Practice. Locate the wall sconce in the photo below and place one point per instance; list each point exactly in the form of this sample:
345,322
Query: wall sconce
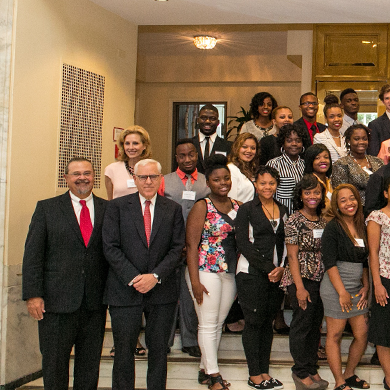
205,42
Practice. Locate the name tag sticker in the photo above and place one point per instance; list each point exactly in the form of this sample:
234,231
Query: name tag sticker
189,195
317,233
130,183
329,195
218,152
360,242
232,214
365,169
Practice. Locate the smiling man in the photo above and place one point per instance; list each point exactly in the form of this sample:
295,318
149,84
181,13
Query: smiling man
207,142
64,274
143,236
308,104
380,127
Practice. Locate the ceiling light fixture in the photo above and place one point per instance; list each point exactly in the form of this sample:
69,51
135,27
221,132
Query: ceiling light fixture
205,42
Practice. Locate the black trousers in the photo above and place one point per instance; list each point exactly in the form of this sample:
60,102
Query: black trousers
58,333
126,324
260,300
305,331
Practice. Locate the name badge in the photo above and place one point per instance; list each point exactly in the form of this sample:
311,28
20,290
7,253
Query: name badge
130,183
365,169
217,152
232,214
329,195
317,233
189,195
360,242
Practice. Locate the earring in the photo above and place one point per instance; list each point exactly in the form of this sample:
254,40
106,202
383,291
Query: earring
303,149
282,149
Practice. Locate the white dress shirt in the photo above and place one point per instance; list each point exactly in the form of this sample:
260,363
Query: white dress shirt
348,122
202,141
77,206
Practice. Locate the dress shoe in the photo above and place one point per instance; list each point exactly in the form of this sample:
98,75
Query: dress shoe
192,351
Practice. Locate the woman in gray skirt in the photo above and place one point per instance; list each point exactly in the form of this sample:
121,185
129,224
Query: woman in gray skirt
344,288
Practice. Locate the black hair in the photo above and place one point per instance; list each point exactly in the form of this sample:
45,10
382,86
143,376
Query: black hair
306,94
308,182
258,100
346,92
310,155
386,184
77,159
183,141
216,161
270,170
330,102
210,107
286,130
348,134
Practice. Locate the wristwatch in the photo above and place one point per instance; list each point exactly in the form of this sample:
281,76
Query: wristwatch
158,279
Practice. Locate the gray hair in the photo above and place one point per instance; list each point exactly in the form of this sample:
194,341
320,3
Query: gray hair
145,162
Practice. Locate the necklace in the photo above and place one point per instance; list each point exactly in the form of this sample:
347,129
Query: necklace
129,168
311,218
272,217
354,159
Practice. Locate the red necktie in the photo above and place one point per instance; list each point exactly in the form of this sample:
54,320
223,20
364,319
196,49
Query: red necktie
147,220
85,222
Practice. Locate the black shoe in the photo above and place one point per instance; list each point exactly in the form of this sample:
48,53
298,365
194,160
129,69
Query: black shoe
284,330
264,385
374,359
385,385
192,351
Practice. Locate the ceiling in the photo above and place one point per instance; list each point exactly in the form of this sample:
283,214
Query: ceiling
214,12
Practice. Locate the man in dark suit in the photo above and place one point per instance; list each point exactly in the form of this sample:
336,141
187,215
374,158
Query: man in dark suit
308,104
143,236
207,142
380,127
64,275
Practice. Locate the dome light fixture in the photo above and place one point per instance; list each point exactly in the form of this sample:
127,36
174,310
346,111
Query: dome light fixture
205,42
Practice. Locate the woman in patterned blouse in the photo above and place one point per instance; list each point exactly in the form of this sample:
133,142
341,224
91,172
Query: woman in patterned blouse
212,260
302,277
289,165
357,166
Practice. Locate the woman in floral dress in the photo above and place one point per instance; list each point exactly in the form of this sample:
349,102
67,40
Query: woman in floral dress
212,260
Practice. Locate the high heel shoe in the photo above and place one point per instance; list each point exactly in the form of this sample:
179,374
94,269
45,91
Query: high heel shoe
322,382
299,385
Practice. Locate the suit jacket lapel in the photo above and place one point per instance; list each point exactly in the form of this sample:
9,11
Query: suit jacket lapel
158,217
98,219
198,149
135,210
67,208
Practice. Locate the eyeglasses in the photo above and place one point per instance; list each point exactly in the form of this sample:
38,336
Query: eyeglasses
143,178
78,174
307,104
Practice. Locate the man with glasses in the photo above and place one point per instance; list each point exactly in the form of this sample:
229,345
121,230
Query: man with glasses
207,142
143,238
308,104
185,186
64,275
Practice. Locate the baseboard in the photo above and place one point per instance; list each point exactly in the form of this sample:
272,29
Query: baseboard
21,381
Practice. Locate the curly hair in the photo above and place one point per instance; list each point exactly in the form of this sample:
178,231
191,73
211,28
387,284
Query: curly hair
258,100
308,182
247,168
216,161
358,218
286,130
263,169
348,133
145,139
311,153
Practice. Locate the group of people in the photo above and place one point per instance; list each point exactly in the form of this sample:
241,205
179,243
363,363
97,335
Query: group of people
279,210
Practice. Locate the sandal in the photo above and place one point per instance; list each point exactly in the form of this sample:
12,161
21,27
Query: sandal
355,381
203,378
341,387
140,351
112,352
218,379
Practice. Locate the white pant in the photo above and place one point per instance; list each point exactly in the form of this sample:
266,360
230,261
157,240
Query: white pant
212,314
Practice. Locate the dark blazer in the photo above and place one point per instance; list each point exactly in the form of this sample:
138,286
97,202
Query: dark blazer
260,253
375,199
269,149
128,254
56,265
220,145
307,140
380,131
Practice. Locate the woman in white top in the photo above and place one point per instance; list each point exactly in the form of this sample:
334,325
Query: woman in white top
134,145
261,125
243,164
331,137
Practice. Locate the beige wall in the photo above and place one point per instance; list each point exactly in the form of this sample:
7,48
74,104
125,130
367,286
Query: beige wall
47,34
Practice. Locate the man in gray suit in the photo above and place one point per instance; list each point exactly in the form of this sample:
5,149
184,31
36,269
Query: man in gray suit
185,186
64,275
